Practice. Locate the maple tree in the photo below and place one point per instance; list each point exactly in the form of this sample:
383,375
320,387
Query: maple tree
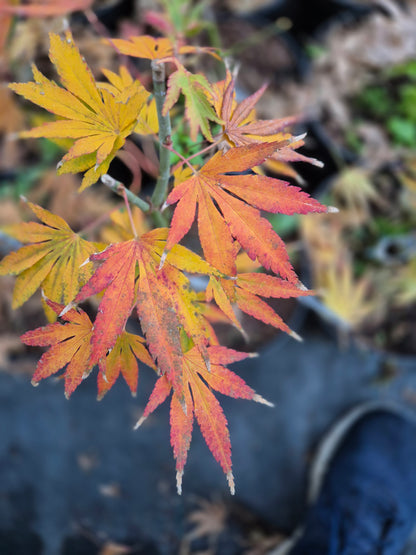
139,269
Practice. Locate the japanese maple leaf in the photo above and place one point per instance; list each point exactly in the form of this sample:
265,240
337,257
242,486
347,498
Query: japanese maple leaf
195,87
117,276
151,48
122,359
240,127
196,399
185,300
229,208
98,121
69,345
198,110
244,292
130,276
145,46
118,84
52,259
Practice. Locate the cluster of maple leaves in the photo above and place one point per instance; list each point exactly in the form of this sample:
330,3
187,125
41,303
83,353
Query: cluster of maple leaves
148,274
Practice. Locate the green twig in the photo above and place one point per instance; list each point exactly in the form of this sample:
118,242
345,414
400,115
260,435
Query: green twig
159,219
159,87
121,190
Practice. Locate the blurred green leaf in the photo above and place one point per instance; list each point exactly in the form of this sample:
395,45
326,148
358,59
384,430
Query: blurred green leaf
376,101
403,131
282,224
407,69
407,103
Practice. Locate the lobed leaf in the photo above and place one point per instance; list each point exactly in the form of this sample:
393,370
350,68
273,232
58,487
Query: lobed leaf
228,209
122,360
53,261
198,110
146,46
69,345
196,398
240,127
117,275
97,120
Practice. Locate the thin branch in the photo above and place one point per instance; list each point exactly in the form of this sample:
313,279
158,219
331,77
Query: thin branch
120,189
159,87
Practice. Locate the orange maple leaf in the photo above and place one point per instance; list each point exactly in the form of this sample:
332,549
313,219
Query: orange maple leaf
229,207
196,399
97,120
69,344
52,259
145,46
151,48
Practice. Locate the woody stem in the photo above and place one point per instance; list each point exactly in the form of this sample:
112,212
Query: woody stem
159,87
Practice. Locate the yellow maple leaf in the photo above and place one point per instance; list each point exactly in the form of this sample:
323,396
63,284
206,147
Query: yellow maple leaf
347,296
98,120
147,120
52,258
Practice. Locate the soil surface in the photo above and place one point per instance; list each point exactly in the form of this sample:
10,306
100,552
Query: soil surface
75,476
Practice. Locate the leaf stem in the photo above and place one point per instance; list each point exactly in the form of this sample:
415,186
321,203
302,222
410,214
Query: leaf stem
126,202
120,189
199,153
183,159
159,87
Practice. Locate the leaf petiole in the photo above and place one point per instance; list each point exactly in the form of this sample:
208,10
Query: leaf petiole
126,202
199,153
169,146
